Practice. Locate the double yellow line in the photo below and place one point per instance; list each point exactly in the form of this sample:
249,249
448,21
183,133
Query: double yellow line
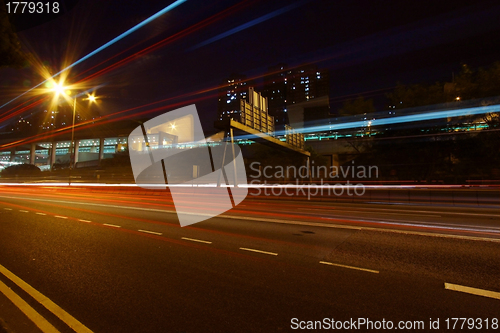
31,313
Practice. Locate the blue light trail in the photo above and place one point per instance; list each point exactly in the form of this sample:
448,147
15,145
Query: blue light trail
407,119
249,24
111,42
370,122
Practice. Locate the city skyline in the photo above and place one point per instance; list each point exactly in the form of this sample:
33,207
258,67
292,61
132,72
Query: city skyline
381,56
340,159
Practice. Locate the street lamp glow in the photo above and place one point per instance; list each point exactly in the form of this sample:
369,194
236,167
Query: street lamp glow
59,89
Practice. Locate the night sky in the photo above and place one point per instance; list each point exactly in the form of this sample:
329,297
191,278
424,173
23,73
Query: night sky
367,46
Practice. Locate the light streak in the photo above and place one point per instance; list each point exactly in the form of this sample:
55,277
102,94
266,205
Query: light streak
12,113
406,119
443,114
149,49
105,120
312,186
166,41
249,24
111,42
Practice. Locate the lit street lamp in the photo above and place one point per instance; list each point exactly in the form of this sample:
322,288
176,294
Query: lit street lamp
61,90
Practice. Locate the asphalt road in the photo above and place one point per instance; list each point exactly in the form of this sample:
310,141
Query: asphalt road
120,263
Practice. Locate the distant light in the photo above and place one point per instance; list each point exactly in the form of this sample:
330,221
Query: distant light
59,89
458,98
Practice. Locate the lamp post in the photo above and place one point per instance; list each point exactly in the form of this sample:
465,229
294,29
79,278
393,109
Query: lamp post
71,154
72,146
59,89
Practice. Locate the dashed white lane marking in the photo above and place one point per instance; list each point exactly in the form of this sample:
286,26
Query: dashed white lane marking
86,221
23,211
40,213
258,251
196,240
151,232
351,267
290,222
473,291
8,208
60,217
112,225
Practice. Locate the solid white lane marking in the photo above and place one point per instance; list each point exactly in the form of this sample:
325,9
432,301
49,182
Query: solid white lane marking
23,211
351,267
77,326
8,208
31,313
60,217
406,214
86,221
473,291
196,240
112,225
151,232
358,211
431,212
258,251
40,213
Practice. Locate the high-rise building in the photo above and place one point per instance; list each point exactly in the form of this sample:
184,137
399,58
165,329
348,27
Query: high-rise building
233,90
252,111
284,87
59,117
305,83
275,90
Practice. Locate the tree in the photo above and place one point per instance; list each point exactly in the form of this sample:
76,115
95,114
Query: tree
10,47
488,81
416,95
466,85
357,106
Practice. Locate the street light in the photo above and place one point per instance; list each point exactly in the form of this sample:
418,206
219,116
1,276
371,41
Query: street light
59,89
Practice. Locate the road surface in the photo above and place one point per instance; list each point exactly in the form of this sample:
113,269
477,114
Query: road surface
119,262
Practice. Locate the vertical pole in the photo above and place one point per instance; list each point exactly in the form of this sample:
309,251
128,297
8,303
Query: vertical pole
32,153
309,169
77,147
71,143
52,157
101,150
222,166
234,159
